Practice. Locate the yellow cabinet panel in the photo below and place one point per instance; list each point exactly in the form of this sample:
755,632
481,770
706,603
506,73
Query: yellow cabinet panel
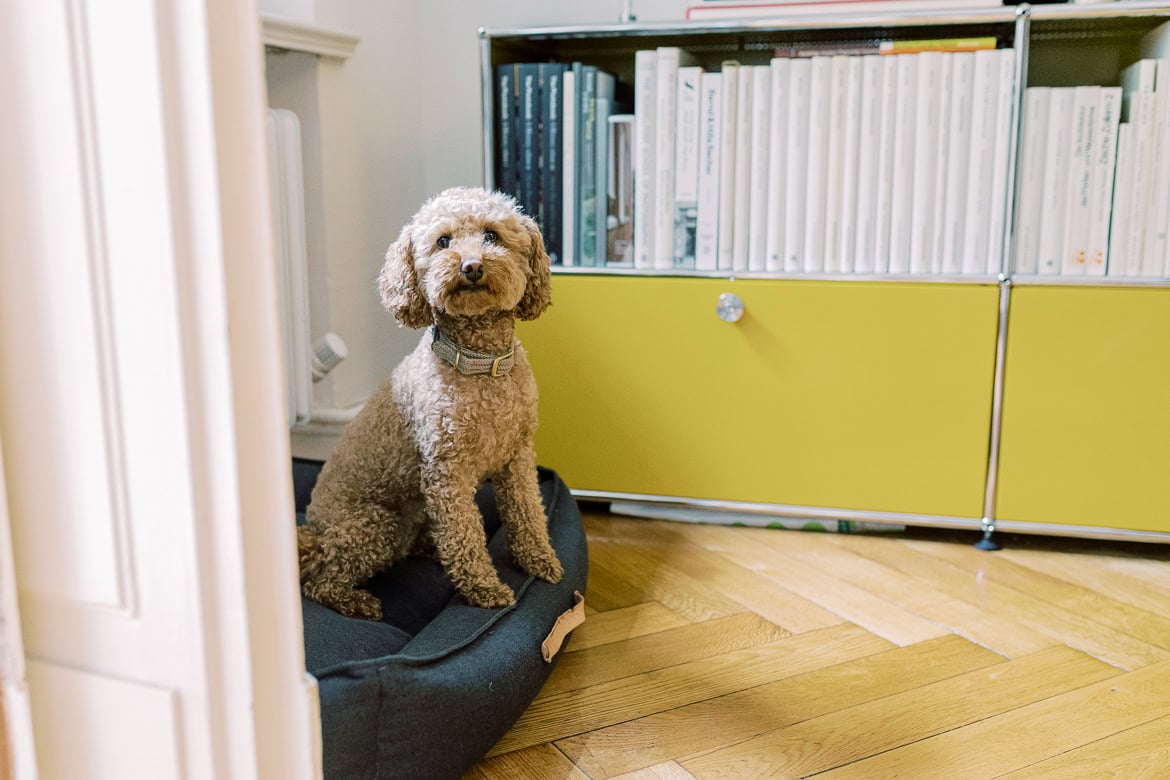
873,396
1086,426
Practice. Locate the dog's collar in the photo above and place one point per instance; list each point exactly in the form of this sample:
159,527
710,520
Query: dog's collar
467,362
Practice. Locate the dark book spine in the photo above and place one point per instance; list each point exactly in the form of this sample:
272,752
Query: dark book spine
529,138
587,178
552,158
506,170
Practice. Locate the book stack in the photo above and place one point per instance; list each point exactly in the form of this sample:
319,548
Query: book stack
826,160
1095,174
559,143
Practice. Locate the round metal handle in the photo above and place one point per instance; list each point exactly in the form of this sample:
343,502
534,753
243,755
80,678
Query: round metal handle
729,307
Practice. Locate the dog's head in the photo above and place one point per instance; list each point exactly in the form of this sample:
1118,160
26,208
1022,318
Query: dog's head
466,252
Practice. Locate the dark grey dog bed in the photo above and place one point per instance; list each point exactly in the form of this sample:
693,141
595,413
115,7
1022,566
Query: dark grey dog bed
426,692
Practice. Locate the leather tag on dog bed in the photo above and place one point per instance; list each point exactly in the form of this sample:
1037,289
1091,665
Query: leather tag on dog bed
565,623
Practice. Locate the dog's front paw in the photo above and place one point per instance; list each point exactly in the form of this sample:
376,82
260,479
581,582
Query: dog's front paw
490,596
545,567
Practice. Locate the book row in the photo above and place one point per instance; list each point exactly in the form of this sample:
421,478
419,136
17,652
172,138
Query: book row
1095,177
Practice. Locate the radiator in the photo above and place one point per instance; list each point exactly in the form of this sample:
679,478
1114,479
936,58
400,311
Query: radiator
288,221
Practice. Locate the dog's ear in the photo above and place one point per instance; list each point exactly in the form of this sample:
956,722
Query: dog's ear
398,285
537,295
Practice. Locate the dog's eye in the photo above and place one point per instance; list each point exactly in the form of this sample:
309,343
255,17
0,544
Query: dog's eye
444,242
490,236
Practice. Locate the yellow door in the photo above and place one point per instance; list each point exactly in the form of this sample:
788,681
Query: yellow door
837,394
1086,432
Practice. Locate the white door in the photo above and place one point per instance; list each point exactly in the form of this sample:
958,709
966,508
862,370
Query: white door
145,454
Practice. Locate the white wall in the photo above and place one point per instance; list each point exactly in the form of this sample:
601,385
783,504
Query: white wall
400,120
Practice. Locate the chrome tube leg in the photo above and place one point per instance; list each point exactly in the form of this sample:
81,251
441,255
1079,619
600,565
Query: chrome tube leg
987,543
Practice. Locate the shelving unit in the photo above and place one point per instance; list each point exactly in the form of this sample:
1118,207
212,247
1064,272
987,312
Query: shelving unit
1024,403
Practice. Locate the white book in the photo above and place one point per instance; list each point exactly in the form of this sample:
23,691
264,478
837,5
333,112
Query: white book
1104,161
569,168
601,173
727,115
942,160
1054,205
847,208
759,168
686,165
645,145
982,159
835,160
962,99
1158,210
1122,197
1138,108
872,67
1005,117
800,76
741,205
1033,147
1075,254
710,112
1156,45
926,139
670,58
819,96
901,197
777,163
887,127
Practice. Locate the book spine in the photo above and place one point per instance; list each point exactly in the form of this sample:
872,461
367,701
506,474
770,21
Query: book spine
962,98
645,135
847,203
1158,204
741,208
777,163
982,158
686,166
506,103
800,73
619,223
1104,163
835,161
551,159
707,235
570,252
901,198
669,58
728,112
820,99
998,196
1122,196
529,138
1054,205
872,67
587,172
887,122
1138,108
1074,254
942,160
758,184
1032,152
926,140
604,91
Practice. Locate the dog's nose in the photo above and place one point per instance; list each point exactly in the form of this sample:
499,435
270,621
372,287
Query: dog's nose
472,269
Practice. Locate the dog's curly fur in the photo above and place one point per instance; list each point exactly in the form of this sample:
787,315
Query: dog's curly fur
403,476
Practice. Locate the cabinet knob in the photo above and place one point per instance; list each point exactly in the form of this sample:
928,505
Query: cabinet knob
729,307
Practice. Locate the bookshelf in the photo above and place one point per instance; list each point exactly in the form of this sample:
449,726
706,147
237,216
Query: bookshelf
933,392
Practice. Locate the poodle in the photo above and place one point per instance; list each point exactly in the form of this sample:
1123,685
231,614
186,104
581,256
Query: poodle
457,410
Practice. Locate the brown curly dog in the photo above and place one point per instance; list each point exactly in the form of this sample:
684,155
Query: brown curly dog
459,409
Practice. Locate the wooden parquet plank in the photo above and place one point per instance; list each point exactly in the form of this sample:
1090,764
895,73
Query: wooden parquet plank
1075,630
1085,570
1150,627
739,716
534,763
586,709
602,628
669,648
658,581
1008,637
883,724
668,770
1027,735
1140,752
749,547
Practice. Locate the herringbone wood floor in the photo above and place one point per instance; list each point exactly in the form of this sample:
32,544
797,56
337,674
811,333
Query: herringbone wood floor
736,652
